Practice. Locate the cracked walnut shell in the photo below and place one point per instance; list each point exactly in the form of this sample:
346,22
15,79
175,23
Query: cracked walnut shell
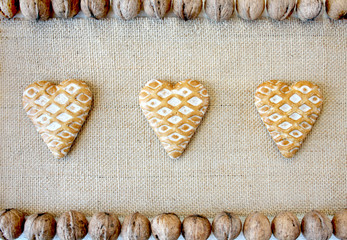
187,9
9,8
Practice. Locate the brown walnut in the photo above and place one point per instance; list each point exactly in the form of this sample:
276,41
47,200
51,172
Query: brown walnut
196,227
336,9
308,9
11,224
219,10
156,8
257,227
66,8
226,226
35,9
316,226
166,226
9,8
280,9
136,227
126,9
340,224
97,9
286,226
187,9
72,225
40,226
104,225
250,9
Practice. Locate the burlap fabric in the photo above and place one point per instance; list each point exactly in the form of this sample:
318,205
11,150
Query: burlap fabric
118,164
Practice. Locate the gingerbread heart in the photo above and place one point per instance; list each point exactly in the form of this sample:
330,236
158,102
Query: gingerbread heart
288,112
58,111
174,112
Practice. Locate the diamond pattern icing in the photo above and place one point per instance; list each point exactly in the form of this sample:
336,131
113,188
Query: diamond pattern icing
300,108
195,101
179,113
174,101
285,107
276,99
58,125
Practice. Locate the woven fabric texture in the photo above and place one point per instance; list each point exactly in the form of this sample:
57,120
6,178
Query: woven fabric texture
118,164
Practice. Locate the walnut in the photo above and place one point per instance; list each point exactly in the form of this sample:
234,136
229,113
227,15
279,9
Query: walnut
95,8
340,224
336,9
72,225
250,9
226,226
66,8
166,226
257,227
136,227
308,9
156,8
286,226
104,225
35,9
316,226
9,8
280,9
127,9
196,227
219,10
187,9
11,224
40,226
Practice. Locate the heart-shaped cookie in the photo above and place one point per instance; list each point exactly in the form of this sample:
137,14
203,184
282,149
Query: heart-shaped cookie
58,111
174,112
288,112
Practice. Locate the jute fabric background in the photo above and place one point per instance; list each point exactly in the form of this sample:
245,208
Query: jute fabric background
117,163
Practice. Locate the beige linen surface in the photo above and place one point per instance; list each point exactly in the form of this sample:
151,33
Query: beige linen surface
118,164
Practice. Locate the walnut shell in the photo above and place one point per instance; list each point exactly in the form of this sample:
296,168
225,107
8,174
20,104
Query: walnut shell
97,9
226,226
280,9
9,8
250,9
136,227
257,227
316,226
187,9
40,226
166,226
340,224
127,9
219,10
286,226
35,9
11,224
336,9
156,8
196,227
66,8
308,9
72,225
104,225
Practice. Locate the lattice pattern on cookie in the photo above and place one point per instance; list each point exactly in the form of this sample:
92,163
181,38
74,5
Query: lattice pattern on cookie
174,112
58,111
288,112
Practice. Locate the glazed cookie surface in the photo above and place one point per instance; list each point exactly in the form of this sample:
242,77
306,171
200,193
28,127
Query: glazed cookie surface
288,112
58,111
174,112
